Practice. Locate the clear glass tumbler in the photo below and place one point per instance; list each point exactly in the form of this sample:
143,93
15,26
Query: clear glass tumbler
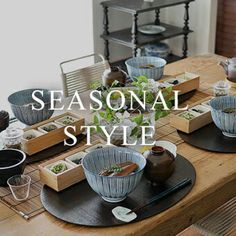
20,186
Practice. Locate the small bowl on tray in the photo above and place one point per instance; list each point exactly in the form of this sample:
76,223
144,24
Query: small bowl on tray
223,111
151,67
112,188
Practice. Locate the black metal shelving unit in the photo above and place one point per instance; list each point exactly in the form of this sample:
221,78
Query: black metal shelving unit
131,38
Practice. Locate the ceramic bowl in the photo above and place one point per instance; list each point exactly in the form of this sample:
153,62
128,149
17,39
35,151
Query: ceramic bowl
133,66
12,162
21,105
115,188
226,122
4,120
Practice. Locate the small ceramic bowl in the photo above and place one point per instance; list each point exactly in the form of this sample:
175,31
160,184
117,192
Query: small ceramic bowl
135,67
12,162
112,188
21,105
226,122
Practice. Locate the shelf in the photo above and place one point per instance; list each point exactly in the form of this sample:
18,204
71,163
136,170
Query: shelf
171,58
139,6
123,37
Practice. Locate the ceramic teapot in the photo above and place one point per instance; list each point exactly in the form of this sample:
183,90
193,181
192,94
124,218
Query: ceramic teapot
112,74
230,68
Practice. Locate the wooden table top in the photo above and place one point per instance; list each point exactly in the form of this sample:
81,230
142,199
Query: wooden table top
215,183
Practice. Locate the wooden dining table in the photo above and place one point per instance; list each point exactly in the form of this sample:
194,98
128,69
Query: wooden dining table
215,181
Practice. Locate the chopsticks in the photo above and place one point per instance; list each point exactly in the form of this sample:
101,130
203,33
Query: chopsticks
163,194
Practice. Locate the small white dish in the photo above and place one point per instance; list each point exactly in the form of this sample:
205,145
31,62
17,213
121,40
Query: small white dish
151,29
194,114
68,165
31,134
66,120
43,127
120,213
200,109
76,156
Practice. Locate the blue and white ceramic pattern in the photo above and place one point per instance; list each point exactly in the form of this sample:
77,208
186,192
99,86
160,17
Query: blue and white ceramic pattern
115,188
133,66
21,105
161,50
224,121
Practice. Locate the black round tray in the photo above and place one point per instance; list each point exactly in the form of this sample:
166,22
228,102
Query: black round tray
210,138
80,205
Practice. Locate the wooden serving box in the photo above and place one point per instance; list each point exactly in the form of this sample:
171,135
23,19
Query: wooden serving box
69,177
188,126
191,83
52,138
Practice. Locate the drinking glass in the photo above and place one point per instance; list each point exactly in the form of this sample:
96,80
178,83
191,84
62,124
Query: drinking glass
20,186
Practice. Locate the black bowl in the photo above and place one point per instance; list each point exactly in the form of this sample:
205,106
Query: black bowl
12,162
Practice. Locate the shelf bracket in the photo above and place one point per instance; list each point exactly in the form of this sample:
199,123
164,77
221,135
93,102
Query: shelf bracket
134,34
186,29
106,32
157,16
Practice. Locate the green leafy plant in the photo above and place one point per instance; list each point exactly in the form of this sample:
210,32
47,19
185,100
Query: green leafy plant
134,119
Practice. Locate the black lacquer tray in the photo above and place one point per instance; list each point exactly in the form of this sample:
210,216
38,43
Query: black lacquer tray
80,205
210,138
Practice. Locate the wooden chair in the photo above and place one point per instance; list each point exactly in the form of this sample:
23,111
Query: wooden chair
221,222
80,79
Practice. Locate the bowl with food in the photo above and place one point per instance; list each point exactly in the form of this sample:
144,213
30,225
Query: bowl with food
113,172
151,67
223,111
22,105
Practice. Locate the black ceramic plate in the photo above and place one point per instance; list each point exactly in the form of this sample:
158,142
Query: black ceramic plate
80,205
210,138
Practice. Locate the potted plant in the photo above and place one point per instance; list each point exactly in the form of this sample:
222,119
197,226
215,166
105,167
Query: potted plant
134,118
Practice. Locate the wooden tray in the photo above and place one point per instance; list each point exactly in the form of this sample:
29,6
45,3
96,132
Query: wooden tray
52,138
210,138
189,126
80,205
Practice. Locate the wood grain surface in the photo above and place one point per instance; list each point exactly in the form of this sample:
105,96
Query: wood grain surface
215,183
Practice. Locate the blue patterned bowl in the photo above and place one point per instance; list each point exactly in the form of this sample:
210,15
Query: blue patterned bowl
133,66
21,105
115,188
224,121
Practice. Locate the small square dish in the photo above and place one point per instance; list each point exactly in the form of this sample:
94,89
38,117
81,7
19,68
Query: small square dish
58,167
49,127
66,120
175,81
31,134
188,115
76,158
200,109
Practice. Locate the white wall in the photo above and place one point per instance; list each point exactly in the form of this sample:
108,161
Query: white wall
36,36
203,15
